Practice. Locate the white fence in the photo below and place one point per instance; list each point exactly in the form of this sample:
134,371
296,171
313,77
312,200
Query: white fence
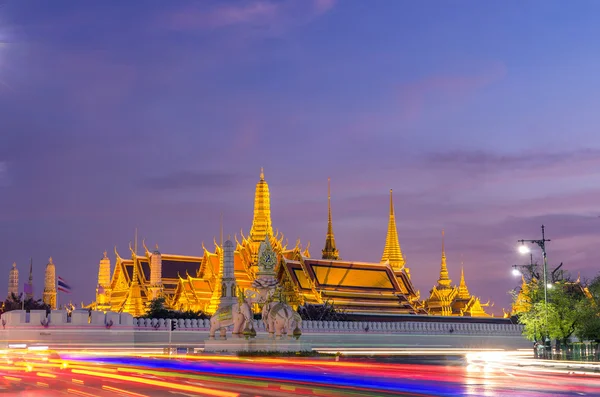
406,327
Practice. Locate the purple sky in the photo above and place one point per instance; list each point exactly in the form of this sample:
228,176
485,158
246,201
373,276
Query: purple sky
480,116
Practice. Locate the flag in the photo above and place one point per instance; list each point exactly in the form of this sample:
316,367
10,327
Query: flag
63,286
28,289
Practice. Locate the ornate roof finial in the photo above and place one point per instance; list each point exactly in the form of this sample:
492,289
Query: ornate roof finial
105,254
50,260
262,174
330,251
14,265
444,280
392,252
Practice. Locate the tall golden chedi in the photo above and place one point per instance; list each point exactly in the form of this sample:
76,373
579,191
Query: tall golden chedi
330,251
392,253
448,300
49,295
103,289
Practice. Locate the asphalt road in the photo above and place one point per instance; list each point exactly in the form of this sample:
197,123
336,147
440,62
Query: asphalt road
230,376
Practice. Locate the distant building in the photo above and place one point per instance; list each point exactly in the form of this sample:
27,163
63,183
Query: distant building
448,300
13,281
49,295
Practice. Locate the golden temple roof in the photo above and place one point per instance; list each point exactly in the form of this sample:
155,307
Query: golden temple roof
330,251
392,252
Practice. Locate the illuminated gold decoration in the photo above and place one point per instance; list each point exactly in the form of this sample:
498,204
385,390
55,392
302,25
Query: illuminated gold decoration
522,302
202,283
447,300
13,281
103,289
444,280
261,222
330,251
134,304
49,295
463,291
392,252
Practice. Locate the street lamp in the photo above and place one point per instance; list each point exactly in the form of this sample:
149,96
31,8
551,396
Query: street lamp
516,272
524,249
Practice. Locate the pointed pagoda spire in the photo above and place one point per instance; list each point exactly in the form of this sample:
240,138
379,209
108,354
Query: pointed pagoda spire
444,280
261,222
29,295
392,251
463,291
330,251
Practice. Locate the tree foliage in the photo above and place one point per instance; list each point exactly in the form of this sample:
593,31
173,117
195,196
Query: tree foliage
324,312
157,308
589,328
15,302
569,311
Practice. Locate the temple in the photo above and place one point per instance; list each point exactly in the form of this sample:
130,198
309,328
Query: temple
448,300
198,283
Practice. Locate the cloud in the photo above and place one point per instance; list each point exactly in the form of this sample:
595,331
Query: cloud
191,180
3,174
481,161
415,95
276,16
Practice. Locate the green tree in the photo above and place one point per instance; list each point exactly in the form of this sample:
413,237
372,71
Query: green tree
563,319
558,319
15,302
157,308
324,312
589,312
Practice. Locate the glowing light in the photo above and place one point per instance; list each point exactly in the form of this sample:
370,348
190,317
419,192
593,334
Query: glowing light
549,286
516,272
168,385
523,249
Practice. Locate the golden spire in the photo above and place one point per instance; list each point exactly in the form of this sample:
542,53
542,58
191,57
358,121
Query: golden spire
330,251
463,291
444,280
261,223
392,251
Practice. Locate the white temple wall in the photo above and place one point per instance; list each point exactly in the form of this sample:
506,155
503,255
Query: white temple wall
122,330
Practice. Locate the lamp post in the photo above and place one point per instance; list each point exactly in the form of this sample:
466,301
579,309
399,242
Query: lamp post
524,249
